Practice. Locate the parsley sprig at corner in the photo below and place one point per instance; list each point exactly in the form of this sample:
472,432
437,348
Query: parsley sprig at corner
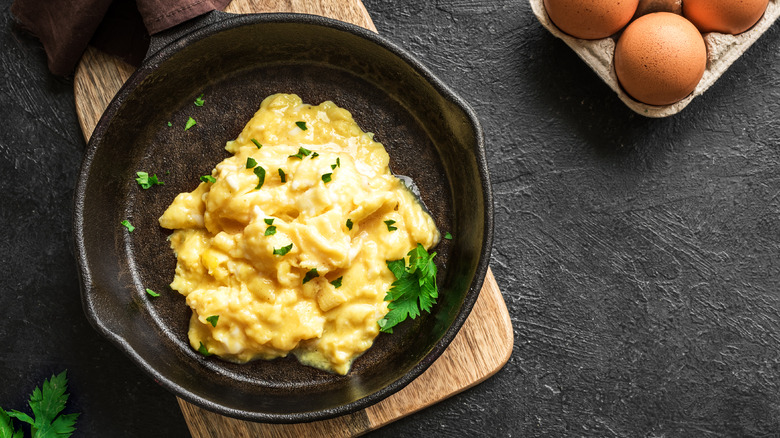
414,289
46,402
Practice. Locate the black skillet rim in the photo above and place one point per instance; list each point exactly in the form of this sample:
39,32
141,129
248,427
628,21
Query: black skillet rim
148,67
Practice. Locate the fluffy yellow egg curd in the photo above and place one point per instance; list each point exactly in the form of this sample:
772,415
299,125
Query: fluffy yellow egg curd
286,249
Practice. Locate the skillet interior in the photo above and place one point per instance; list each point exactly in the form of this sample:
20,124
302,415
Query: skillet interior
430,135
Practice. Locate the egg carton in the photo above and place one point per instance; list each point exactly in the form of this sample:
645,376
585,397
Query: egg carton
722,51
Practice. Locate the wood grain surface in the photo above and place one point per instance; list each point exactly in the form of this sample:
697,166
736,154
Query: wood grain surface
480,349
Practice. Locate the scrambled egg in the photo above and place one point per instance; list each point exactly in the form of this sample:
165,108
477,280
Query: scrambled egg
292,258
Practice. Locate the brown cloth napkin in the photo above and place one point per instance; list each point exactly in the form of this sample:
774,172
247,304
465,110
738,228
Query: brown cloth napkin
119,27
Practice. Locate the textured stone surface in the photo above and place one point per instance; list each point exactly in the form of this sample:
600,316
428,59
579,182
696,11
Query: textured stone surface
638,257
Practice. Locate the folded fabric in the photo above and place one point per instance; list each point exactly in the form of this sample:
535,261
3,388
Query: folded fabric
119,27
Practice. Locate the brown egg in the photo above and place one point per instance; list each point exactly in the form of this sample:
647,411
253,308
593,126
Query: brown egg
660,58
590,19
724,16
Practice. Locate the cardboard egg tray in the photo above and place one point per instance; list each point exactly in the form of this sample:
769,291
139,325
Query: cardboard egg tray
722,51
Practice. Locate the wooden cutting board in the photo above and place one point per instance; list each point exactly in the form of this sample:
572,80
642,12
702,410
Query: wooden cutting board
480,349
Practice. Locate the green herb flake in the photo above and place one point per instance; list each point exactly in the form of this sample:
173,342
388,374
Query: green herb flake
126,223
414,289
349,224
327,177
213,320
338,163
269,221
282,176
270,231
302,153
250,162
283,250
199,101
46,403
203,350
152,293
448,236
302,125
170,124
310,275
190,123
146,181
337,282
208,179
257,143
260,172
314,155
390,226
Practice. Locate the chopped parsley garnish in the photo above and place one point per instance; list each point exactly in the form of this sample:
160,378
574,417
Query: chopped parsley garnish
338,163
128,225
310,275
337,282
283,250
390,226
260,172
250,162
314,155
349,224
152,293
270,231
190,123
203,350
208,179
282,175
199,101
46,403
327,177
302,153
302,125
146,181
257,143
414,289
213,320
448,236
170,124
269,221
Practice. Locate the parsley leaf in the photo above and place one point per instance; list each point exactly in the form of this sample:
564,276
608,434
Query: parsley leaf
270,231
448,236
190,123
337,282
310,275
302,125
257,143
349,224
282,176
338,163
170,124
260,172
146,181
390,226
414,289
46,404
7,428
126,223
208,179
203,350
327,177
213,320
250,162
269,220
152,293
199,101
302,153
283,250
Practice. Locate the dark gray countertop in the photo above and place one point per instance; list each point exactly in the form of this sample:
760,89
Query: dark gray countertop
638,257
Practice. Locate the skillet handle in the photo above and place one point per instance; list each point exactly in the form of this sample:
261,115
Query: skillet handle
168,36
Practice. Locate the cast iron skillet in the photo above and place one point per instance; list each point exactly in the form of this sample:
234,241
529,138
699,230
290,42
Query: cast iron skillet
431,135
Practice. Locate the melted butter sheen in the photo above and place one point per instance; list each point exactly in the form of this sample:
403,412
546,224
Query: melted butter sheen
226,264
